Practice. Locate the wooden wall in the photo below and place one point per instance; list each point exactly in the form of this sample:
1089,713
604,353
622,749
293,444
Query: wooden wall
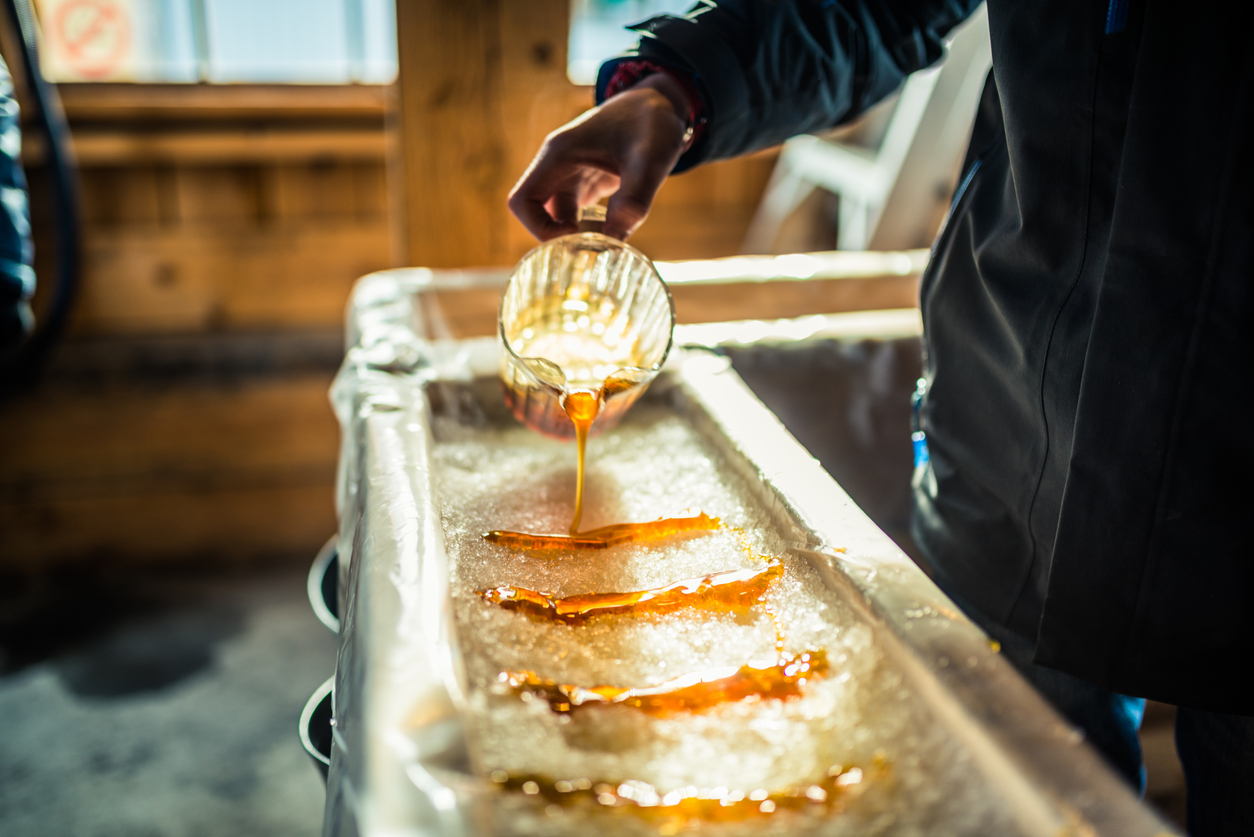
223,209
186,417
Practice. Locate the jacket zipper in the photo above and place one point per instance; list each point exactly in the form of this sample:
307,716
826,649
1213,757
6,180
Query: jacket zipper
918,437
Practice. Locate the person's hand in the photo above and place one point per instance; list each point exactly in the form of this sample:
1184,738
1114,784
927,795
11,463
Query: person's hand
624,148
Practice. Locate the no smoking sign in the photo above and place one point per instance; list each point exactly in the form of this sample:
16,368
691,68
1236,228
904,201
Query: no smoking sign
89,39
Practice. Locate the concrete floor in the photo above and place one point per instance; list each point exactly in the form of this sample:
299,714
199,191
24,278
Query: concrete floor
159,704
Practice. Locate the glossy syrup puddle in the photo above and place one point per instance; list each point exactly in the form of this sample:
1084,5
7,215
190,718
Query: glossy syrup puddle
733,591
606,536
672,809
782,680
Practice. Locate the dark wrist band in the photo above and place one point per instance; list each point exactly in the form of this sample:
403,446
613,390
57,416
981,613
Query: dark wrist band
631,72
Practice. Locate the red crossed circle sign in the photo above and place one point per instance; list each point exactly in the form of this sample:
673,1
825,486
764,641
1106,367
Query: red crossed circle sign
94,35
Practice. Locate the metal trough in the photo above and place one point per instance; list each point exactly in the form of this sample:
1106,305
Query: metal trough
968,749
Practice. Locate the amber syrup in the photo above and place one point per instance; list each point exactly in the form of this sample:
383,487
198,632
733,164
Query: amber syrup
783,679
733,591
672,810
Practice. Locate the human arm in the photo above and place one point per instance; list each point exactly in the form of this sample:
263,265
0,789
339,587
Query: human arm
764,71
624,148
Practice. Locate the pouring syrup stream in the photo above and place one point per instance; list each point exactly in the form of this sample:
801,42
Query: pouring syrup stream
583,406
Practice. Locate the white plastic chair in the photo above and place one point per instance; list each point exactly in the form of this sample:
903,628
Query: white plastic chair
889,194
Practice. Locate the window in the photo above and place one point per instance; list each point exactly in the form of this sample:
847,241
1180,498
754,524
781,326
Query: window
597,33
298,41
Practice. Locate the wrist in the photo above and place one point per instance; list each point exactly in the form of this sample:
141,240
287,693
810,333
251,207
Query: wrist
677,87
670,89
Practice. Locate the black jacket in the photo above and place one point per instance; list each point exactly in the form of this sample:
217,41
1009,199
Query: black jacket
1087,308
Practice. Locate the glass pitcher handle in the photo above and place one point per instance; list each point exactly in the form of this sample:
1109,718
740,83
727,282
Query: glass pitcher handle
592,218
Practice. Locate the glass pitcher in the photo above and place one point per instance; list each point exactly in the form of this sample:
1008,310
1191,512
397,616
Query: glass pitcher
583,313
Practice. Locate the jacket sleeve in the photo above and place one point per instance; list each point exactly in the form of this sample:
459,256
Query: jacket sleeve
17,278
771,69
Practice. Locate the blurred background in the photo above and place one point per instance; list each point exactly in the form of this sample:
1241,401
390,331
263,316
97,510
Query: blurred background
240,164
167,467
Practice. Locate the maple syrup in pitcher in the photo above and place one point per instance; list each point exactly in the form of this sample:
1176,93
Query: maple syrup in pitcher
586,324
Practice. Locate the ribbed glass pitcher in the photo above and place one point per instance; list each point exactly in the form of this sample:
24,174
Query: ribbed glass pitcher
583,313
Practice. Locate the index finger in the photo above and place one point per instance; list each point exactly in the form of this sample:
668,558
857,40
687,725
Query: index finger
547,182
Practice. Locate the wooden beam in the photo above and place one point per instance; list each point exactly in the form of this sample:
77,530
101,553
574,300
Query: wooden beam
170,524
230,471
96,102
153,280
783,298
740,288
95,147
480,84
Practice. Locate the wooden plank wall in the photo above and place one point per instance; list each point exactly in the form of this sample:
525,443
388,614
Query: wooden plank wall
224,211
186,415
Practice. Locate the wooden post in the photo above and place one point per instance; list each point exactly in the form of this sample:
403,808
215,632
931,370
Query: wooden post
480,84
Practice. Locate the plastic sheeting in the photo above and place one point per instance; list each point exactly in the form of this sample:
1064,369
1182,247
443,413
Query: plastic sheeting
395,656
